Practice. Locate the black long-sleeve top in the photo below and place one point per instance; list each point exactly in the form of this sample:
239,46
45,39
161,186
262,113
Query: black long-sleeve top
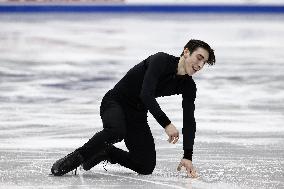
154,77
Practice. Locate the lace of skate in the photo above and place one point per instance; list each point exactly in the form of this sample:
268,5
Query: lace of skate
75,171
105,162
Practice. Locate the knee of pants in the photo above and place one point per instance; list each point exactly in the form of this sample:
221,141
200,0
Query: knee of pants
147,164
147,168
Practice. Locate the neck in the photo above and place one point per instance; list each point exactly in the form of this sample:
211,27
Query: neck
180,68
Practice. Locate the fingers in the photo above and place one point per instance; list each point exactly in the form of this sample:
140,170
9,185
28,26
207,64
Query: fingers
173,139
179,166
191,173
172,132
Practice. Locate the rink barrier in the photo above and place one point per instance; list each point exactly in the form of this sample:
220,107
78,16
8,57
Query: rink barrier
81,8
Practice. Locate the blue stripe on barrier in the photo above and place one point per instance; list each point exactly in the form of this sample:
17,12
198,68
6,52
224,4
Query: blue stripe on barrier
143,8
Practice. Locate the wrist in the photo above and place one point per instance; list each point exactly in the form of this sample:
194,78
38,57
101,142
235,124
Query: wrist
167,125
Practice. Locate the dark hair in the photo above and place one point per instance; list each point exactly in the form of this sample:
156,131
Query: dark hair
193,44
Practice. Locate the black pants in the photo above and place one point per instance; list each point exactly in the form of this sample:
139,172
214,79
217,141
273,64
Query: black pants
124,123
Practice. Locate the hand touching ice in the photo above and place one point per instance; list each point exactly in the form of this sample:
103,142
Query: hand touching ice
191,172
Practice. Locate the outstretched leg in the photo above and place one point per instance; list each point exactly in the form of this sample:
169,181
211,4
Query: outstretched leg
114,128
114,124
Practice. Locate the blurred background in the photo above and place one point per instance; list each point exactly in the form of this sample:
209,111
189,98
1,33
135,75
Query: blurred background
59,57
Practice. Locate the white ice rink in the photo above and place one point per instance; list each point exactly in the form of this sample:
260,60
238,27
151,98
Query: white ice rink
55,69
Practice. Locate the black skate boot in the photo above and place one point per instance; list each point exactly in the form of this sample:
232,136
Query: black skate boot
97,158
67,164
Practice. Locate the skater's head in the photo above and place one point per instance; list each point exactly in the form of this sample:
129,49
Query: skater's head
196,54
194,44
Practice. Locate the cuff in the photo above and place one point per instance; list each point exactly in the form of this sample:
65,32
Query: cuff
188,154
163,120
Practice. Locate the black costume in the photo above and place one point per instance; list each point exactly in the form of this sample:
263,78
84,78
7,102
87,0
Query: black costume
124,113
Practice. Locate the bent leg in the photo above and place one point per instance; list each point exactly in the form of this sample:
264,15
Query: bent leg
141,157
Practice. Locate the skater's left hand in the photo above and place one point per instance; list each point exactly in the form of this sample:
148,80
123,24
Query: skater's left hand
191,172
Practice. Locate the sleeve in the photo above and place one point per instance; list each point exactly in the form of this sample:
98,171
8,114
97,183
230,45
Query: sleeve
189,124
156,66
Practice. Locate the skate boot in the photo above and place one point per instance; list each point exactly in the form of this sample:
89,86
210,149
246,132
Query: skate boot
67,164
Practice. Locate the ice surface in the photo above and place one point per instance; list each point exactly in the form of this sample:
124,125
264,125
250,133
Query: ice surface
55,69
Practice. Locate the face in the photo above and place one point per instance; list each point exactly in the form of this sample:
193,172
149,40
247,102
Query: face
194,62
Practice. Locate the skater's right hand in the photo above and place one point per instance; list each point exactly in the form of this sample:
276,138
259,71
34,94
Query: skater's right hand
172,132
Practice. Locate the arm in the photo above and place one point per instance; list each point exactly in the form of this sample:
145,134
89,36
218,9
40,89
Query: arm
156,66
189,129
189,126
172,132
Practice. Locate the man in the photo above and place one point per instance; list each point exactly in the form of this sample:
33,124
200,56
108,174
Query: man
124,113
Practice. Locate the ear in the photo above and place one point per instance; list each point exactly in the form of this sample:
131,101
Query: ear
186,52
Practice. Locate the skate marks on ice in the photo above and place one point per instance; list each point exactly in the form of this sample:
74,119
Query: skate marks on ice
31,169
219,163
28,168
